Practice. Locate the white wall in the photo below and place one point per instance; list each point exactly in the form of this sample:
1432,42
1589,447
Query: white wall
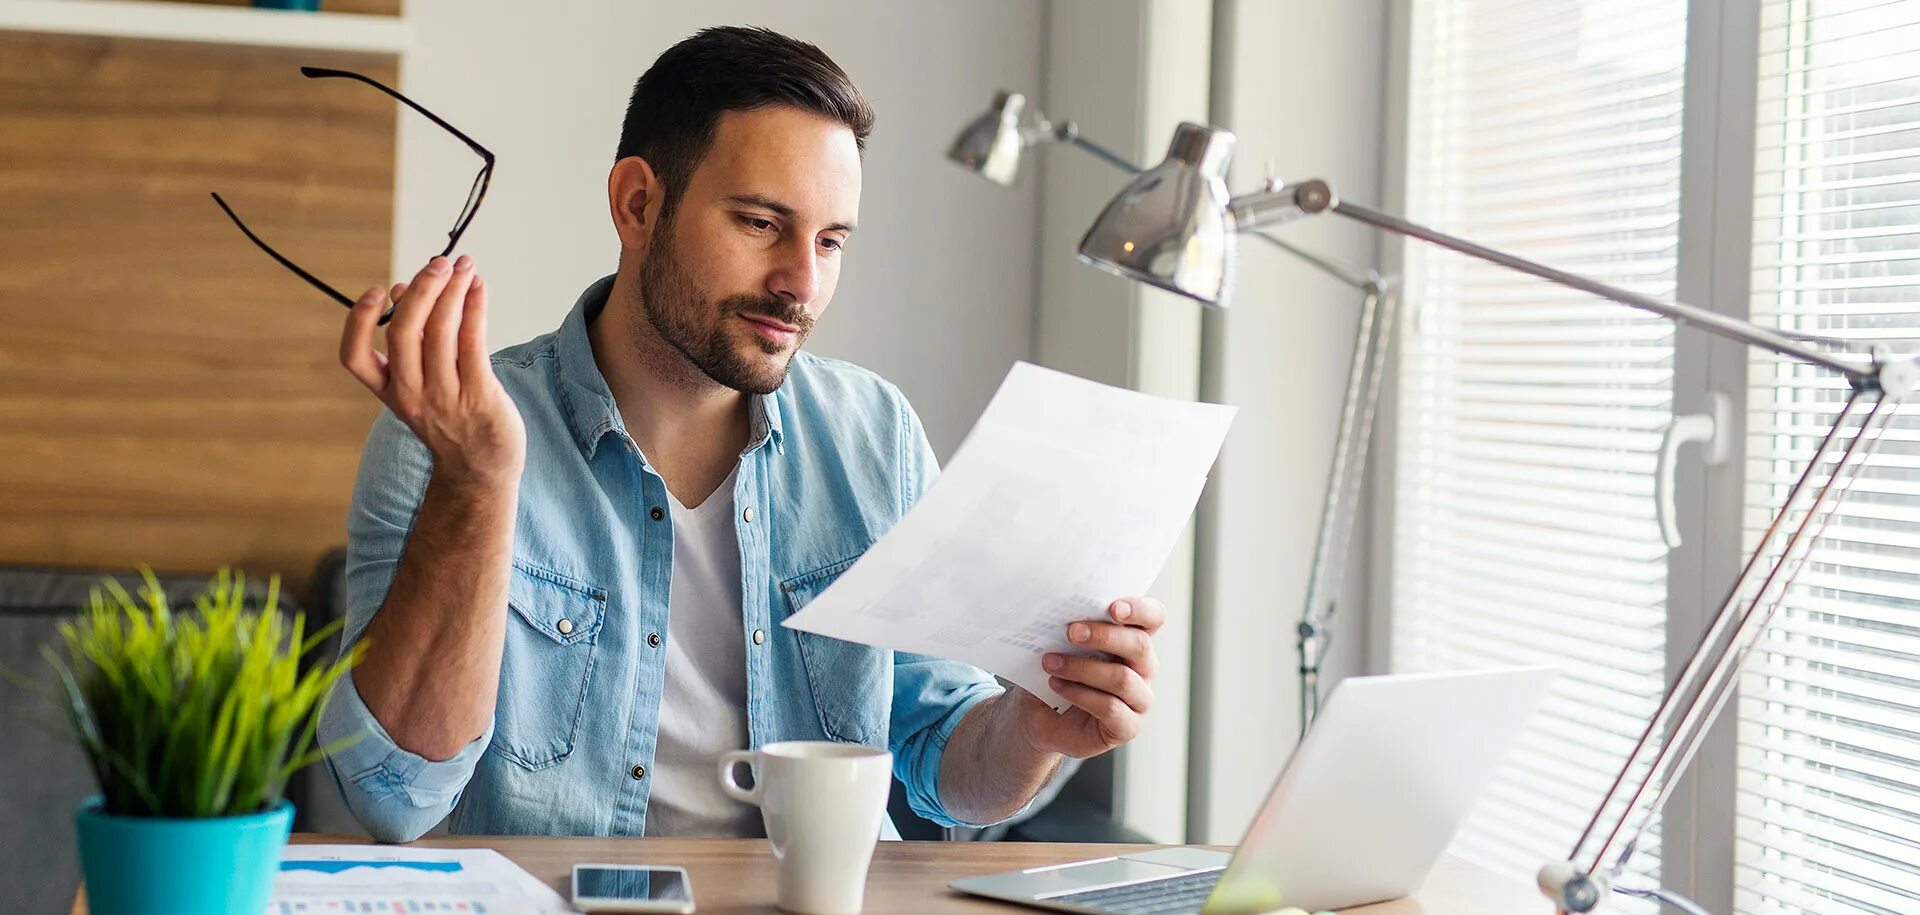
938,289
1302,85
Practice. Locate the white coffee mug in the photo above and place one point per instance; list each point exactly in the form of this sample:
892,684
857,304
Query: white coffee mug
823,804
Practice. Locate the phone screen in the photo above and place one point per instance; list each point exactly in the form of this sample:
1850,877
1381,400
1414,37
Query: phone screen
634,884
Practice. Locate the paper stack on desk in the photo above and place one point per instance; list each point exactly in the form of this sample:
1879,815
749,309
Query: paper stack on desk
328,879
1067,495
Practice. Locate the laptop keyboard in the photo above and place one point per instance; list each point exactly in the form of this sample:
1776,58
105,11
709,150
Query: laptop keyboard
1181,895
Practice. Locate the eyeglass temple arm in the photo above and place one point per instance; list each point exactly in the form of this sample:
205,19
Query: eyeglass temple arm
290,265
328,72
312,280
484,179
486,174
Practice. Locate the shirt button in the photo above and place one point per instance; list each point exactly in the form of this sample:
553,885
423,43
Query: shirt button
759,636
653,639
565,626
747,515
639,772
657,513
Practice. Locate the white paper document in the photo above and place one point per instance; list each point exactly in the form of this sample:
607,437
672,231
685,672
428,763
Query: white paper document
337,879
1066,496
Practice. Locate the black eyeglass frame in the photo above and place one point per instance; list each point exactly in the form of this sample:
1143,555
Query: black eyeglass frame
475,194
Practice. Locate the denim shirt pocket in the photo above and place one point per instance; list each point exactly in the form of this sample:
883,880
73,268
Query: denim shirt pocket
852,684
553,623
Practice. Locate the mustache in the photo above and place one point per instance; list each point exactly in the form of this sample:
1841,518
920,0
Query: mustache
771,309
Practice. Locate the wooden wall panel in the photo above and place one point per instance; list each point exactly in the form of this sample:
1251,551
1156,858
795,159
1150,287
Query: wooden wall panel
168,394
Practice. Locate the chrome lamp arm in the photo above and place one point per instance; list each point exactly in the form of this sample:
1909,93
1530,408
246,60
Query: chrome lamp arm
1706,682
1133,237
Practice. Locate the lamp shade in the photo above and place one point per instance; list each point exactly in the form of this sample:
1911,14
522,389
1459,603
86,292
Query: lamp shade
990,145
1171,226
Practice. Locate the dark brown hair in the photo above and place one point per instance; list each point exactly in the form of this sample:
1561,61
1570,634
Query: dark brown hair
677,103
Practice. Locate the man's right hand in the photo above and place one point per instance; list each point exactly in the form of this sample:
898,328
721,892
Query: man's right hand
436,375
432,666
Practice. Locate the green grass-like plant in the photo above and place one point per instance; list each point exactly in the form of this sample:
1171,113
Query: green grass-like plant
196,713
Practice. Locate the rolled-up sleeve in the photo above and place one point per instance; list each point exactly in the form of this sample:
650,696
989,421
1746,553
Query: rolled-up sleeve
930,699
930,696
395,794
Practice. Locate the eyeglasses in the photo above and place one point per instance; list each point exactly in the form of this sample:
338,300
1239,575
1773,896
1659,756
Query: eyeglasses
474,194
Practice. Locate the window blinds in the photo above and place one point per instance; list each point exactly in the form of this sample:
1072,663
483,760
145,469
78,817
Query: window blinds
1828,811
1528,415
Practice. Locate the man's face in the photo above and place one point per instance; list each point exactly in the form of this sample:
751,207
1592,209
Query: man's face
738,274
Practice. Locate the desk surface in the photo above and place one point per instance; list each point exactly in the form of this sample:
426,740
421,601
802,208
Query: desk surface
737,875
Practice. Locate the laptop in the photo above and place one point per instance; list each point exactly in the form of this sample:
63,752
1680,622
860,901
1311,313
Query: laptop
1360,813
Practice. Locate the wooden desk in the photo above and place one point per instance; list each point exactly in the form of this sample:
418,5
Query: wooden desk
738,875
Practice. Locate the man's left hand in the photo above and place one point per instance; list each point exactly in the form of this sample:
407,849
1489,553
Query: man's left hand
1110,695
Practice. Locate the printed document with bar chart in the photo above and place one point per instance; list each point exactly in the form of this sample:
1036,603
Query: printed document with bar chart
342,879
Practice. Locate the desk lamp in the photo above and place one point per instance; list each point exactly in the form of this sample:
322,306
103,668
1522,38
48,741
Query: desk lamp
1172,227
991,146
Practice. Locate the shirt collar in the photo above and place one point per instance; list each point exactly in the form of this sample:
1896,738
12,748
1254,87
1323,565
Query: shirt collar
591,412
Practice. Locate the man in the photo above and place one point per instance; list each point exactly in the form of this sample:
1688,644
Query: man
569,562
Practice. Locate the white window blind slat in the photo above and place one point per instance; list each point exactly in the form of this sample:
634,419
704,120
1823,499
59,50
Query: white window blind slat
1583,383
1637,123
1490,566
1815,259
1860,66
1529,415
1772,30
1857,237
1886,218
1604,633
1594,619
1878,126
1529,481
1828,770
1596,511
1802,816
1529,23
1615,36
1775,115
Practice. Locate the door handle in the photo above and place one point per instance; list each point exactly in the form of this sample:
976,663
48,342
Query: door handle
1710,429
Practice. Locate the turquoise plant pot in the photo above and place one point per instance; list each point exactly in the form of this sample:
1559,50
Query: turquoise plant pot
163,866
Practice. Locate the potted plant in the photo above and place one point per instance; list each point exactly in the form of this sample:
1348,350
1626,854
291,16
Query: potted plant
192,721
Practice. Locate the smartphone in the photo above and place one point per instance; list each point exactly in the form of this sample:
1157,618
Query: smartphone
631,888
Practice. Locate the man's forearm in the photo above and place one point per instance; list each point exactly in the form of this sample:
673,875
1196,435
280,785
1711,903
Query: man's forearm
990,770
432,667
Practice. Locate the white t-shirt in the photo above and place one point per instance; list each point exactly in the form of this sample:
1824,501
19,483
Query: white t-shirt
703,707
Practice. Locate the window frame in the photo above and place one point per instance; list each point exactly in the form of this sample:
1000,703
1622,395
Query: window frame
1715,232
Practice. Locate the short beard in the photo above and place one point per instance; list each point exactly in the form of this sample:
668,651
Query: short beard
699,328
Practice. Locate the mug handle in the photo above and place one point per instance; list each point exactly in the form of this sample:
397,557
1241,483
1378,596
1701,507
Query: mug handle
732,788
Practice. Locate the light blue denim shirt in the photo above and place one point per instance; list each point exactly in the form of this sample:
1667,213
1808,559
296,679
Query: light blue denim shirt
835,457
